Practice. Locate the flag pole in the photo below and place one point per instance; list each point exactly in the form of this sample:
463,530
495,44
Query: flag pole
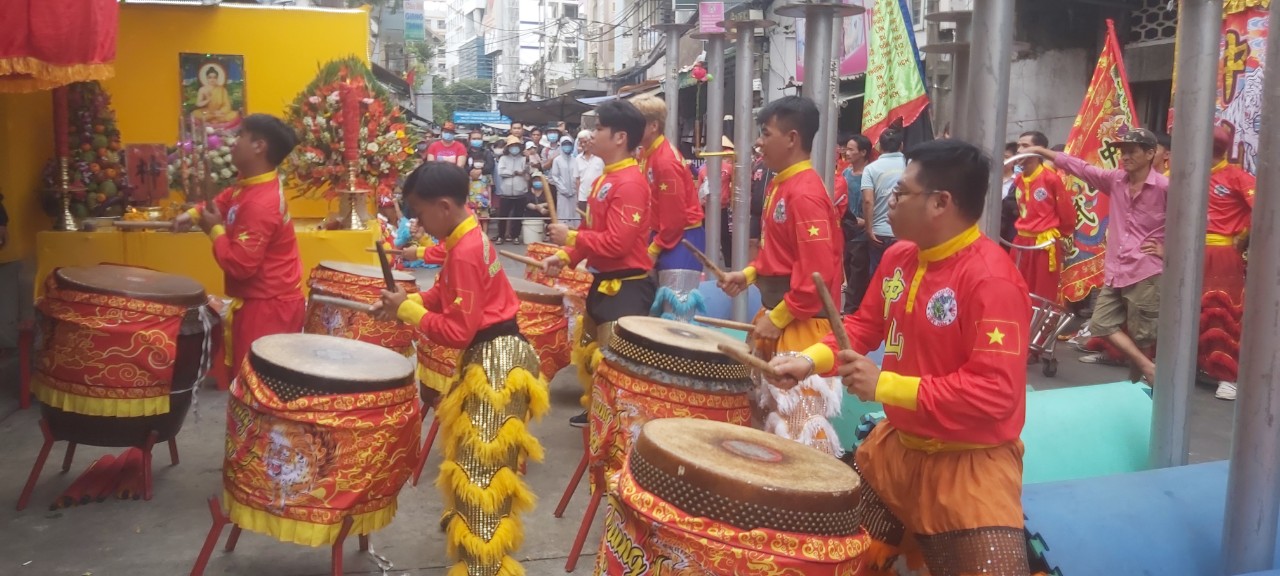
715,133
992,52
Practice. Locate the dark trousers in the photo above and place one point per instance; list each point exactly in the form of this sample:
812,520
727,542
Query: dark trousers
857,272
877,252
511,207
726,239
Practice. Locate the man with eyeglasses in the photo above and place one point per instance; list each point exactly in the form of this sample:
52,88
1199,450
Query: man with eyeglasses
944,469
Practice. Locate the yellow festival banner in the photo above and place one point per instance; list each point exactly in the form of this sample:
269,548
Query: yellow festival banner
1107,113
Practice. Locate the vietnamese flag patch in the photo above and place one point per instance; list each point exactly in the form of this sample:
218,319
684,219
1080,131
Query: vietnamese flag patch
1000,336
815,230
668,187
631,215
463,300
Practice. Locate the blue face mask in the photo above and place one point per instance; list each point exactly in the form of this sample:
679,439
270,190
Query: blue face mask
447,137
537,184
567,149
553,138
477,143
514,150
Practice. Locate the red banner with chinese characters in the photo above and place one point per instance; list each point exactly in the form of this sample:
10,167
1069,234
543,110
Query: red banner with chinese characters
52,43
294,470
1106,113
645,535
106,355
353,324
1241,67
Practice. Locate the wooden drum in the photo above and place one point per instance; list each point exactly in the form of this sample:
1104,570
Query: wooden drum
655,368
123,349
319,429
702,497
573,281
362,284
543,321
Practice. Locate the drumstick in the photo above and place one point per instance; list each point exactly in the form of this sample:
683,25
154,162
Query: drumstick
522,259
833,313
581,213
747,358
342,303
706,262
387,276
143,224
730,324
551,203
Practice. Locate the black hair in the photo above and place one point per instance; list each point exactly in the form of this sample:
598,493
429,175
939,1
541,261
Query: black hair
957,167
280,138
622,116
1037,138
793,113
1164,140
864,143
891,141
434,180
1059,148
1011,147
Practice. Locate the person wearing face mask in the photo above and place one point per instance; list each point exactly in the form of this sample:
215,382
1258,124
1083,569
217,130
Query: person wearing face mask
551,149
513,190
562,175
588,167
447,148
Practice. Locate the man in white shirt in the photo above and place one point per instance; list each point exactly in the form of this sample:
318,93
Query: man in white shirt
588,167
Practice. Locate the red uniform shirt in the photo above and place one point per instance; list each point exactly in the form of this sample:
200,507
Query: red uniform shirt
726,182
447,152
955,321
1231,190
800,235
1044,203
471,292
615,234
673,199
257,248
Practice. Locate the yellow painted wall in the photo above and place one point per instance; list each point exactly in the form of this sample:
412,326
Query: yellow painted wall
282,48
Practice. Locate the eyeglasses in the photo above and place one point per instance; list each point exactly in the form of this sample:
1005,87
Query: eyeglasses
896,194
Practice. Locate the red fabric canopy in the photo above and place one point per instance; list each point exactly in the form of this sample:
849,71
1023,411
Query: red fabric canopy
49,43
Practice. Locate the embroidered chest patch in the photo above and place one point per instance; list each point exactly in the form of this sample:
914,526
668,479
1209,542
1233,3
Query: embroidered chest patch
1220,190
231,214
1041,194
604,190
942,308
780,211
649,175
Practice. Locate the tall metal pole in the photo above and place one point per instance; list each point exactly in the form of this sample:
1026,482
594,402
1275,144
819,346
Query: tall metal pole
713,147
958,49
819,31
671,87
743,123
992,49
1253,480
1199,28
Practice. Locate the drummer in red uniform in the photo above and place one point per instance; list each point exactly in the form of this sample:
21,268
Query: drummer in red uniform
942,474
1046,217
255,246
472,307
613,240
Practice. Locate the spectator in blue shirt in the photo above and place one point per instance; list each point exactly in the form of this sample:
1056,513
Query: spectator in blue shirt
879,180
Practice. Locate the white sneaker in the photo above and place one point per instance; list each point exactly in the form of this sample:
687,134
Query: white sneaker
1226,391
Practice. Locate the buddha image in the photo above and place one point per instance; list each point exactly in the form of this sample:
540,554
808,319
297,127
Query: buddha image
213,101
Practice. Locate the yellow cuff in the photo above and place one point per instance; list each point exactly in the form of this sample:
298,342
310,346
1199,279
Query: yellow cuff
572,240
824,358
422,252
410,312
416,297
894,389
781,315
216,231
654,249
563,256
194,213
750,273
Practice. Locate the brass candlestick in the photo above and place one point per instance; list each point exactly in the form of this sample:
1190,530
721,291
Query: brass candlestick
67,222
354,195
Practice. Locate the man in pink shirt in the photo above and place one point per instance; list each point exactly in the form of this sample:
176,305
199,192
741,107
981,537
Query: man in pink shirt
1130,295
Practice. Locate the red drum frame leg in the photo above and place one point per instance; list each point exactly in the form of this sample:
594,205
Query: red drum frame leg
577,475
221,520
593,506
426,449
66,458
25,497
38,466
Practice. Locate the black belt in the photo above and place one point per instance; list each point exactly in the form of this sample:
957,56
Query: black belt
774,288
495,331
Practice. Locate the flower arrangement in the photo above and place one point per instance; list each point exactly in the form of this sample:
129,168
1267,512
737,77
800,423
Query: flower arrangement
383,150
97,160
188,159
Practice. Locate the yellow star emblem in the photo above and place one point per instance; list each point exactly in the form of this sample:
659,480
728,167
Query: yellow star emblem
813,230
996,337
457,301
242,237
635,217
663,187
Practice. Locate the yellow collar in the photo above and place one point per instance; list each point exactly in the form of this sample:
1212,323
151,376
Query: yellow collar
454,237
654,145
259,179
792,170
1219,166
950,247
1028,178
616,166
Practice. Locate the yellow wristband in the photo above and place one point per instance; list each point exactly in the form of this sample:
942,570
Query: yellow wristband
194,213
781,315
654,249
824,358
572,240
414,297
751,274
422,252
894,389
216,231
411,312
564,257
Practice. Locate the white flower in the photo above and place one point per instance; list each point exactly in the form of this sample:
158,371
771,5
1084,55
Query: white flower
225,150
217,160
314,99
226,173
209,130
367,101
307,122
372,147
321,122
333,97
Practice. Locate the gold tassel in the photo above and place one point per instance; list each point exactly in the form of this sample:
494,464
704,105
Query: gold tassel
506,484
460,540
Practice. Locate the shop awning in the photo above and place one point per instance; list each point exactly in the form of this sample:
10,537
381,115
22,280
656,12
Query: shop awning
544,112
52,43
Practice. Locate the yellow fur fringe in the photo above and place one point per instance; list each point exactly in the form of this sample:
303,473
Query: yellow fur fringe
586,359
506,484
507,538
509,568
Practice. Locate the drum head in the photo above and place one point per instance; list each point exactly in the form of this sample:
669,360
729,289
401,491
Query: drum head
534,292
743,470
329,364
676,338
364,270
133,282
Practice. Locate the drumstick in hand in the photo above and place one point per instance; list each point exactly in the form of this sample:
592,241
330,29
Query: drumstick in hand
581,213
522,259
730,324
706,262
833,313
551,203
341,303
747,358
